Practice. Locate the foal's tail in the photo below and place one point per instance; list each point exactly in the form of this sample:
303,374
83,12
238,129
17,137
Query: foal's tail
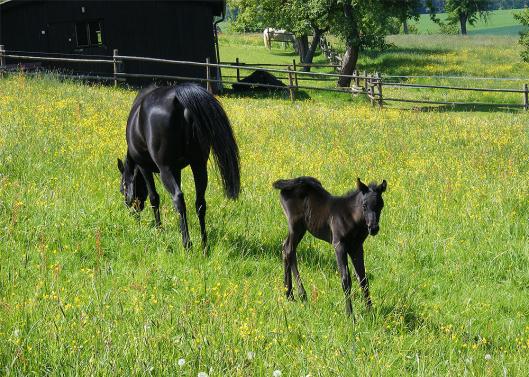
212,125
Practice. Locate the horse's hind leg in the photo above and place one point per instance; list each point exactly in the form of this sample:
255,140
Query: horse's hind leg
290,261
287,277
200,174
343,267
154,198
171,181
301,290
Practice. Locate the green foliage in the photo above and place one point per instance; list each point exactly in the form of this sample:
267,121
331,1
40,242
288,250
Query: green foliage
449,28
523,18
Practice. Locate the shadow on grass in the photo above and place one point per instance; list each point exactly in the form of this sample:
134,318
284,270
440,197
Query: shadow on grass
264,94
319,256
494,108
402,60
408,316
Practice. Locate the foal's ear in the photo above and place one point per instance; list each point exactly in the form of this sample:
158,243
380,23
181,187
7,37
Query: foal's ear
382,187
120,166
361,186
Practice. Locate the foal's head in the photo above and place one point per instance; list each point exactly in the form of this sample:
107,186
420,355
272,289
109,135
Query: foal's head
133,186
372,203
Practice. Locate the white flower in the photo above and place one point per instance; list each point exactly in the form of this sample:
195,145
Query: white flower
181,362
16,333
202,374
488,356
277,373
250,355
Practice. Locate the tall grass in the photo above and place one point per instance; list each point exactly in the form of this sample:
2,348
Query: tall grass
87,289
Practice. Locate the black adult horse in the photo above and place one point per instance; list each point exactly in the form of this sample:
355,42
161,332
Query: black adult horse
168,129
345,221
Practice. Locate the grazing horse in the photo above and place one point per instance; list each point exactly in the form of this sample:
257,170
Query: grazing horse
168,129
279,35
345,221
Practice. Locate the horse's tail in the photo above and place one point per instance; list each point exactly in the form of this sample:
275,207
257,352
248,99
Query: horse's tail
300,182
212,125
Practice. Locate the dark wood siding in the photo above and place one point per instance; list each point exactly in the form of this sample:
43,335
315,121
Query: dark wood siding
179,30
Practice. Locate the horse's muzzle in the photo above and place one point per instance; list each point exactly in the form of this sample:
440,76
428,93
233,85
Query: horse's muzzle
373,230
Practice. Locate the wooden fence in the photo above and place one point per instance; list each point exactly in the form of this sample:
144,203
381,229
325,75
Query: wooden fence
362,83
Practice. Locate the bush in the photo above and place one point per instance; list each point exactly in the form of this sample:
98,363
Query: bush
523,18
450,29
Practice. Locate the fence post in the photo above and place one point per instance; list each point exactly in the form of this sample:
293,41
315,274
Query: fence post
208,77
371,90
295,73
2,60
525,97
357,80
115,53
365,81
291,84
238,71
379,84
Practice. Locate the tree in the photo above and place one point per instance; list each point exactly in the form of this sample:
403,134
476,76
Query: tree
300,17
523,18
464,11
359,23
363,24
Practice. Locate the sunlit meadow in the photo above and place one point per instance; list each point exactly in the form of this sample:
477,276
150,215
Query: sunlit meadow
85,288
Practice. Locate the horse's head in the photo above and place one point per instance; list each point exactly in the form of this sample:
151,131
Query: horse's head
133,186
372,204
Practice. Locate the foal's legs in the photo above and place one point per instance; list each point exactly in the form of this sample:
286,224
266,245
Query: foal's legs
171,180
154,198
290,261
200,174
343,267
357,255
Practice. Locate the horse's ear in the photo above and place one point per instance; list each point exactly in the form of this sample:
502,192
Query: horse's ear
120,166
361,186
382,187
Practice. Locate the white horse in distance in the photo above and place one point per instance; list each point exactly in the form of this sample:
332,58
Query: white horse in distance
279,35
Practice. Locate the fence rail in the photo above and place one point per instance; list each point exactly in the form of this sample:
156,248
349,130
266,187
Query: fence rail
362,83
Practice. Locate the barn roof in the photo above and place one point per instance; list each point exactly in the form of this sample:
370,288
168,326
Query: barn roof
218,5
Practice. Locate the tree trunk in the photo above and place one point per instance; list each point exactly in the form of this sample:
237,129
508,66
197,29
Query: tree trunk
463,22
405,26
348,64
303,47
353,46
312,50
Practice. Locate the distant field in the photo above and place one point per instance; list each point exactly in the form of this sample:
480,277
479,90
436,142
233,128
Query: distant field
499,22
427,55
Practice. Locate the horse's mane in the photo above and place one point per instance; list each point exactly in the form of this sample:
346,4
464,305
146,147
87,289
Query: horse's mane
307,182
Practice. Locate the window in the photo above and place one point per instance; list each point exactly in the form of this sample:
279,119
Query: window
89,34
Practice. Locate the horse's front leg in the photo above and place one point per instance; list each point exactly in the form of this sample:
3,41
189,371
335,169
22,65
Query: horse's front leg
200,174
357,256
154,198
171,180
343,267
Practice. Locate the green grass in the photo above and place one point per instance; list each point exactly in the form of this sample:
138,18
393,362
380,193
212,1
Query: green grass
87,289
498,22
422,55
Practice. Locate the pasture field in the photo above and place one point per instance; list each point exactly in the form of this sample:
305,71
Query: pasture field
87,289
498,22
452,58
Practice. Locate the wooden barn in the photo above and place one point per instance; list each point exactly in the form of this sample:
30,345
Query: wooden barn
177,30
